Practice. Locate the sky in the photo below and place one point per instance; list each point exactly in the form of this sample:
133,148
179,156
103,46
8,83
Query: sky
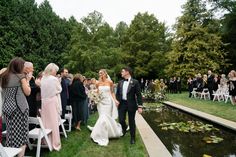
114,11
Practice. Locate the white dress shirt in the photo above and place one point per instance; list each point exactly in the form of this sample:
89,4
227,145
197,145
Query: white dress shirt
125,89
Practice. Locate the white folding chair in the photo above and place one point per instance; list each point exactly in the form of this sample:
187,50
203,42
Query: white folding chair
218,95
194,93
228,97
61,123
8,151
68,117
205,94
39,133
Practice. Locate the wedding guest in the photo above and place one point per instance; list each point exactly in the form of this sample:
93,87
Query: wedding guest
210,83
216,82
146,85
190,86
65,91
86,102
15,85
178,83
167,85
205,83
223,82
232,86
93,84
78,98
38,94
171,85
142,84
92,107
31,99
69,81
199,83
1,71
51,103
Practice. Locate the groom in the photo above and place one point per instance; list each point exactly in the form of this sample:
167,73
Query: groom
130,99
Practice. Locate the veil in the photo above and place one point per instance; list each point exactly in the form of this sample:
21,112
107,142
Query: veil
108,77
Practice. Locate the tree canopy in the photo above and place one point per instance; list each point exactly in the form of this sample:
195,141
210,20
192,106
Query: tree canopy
200,42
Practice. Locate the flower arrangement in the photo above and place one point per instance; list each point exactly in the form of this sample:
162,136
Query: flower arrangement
95,96
149,96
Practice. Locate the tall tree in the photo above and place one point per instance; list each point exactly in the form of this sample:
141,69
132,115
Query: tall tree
33,32
196,47
146,43
93,46
228,23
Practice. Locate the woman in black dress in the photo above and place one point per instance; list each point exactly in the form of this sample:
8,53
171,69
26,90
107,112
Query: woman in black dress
232,86
78,98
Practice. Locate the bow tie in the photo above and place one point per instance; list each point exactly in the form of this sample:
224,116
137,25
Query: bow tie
126,79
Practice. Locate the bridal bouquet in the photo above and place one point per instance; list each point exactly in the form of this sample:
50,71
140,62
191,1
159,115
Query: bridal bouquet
94,96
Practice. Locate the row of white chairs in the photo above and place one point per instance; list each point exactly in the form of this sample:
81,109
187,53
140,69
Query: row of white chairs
222,94
39,134
204,94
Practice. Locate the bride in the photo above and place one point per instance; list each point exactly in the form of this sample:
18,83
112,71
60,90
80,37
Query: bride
106,126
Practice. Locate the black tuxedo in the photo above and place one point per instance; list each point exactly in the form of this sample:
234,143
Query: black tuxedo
134,100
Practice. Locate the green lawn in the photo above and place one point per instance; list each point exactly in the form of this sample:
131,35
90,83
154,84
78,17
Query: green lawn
220,109
79,144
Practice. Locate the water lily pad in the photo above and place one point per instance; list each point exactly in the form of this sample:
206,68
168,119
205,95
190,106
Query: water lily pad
189,126
212,139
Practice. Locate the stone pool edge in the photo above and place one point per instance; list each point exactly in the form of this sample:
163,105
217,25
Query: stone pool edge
153,144
221,121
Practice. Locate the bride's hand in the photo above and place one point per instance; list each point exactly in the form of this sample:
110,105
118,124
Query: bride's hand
117,103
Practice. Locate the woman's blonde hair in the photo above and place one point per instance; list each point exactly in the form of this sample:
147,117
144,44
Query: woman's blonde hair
78,77
105,72
49,69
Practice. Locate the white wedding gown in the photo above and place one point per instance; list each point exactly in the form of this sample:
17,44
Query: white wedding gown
106,126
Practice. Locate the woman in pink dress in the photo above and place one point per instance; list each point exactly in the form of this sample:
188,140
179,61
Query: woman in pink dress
51,103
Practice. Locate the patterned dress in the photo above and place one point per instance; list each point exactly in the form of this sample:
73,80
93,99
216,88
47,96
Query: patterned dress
16,112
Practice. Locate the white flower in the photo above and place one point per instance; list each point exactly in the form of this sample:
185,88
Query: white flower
95,96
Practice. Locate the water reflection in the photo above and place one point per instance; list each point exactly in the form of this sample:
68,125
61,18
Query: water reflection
182,144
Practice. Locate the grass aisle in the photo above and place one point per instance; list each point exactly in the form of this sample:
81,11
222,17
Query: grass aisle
79,144
220,109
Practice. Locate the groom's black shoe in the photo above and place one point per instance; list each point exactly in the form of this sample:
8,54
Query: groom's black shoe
124,132
132,140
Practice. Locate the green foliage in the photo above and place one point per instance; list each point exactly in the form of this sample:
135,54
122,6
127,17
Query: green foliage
37,34
212,139
33,32
93,46
146,43
228,23
196,47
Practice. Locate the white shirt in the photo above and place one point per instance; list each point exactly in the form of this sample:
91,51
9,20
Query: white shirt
125,89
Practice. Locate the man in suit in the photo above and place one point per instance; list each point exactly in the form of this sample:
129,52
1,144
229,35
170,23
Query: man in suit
130,98
64,92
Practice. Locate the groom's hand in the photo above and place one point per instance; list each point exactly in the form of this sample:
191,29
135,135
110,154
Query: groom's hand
140,110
